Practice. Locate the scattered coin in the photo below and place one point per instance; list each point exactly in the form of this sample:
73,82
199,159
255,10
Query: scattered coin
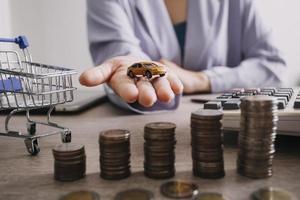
159,150
270,193
81,195
257,135
179,189
209,196
207,143
135,194
69,162
114,154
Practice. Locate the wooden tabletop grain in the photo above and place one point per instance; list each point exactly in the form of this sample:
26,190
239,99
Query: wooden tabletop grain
27,177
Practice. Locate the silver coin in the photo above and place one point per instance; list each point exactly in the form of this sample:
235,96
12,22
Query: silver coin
207,114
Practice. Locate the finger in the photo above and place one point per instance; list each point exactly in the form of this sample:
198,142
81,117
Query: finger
124,86
175,83
147,96
163,89
98,75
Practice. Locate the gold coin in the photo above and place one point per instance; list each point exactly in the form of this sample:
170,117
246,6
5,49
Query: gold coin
179,189
135,194
209,196
81,195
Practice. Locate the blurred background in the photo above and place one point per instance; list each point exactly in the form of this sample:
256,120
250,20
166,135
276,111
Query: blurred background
56,30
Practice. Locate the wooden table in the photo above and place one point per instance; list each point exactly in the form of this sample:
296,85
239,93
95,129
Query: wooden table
26,177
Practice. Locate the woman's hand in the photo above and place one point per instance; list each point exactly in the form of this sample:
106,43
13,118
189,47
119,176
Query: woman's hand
114,73
192,81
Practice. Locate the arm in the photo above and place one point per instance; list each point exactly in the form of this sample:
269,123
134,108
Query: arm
263,64
114,47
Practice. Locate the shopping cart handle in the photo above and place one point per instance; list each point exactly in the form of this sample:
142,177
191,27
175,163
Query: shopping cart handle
21,41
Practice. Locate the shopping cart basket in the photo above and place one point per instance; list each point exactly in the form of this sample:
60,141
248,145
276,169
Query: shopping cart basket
25,85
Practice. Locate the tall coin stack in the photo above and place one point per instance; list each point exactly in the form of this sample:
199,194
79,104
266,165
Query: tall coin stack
114,154
69,162
257,136
159,150
207,143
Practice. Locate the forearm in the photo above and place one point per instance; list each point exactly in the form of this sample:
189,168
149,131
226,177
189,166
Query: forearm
197,82
254,72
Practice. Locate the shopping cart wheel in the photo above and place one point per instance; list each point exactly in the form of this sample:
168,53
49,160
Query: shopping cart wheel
31,128
32,146
66,137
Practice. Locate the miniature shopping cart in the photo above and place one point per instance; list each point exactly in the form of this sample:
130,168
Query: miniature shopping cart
25,86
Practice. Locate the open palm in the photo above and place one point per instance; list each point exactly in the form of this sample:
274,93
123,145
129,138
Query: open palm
146,92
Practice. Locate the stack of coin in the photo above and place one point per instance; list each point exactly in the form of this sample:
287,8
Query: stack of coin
207,143
159,150
69,162
257,135
114,154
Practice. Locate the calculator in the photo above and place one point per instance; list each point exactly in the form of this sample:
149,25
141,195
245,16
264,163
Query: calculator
288,107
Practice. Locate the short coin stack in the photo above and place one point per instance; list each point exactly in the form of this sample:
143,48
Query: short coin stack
159,150
207,143
114,154
69,162
257,135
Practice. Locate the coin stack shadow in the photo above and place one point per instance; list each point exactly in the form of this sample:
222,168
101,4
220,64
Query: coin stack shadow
159,150
69,162
257,136
114,154
207,144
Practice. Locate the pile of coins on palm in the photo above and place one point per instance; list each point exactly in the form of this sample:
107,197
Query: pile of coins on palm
257,136
114,154
69,162
159,150
207,143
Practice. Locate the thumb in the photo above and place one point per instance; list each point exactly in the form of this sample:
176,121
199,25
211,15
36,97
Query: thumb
97,75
